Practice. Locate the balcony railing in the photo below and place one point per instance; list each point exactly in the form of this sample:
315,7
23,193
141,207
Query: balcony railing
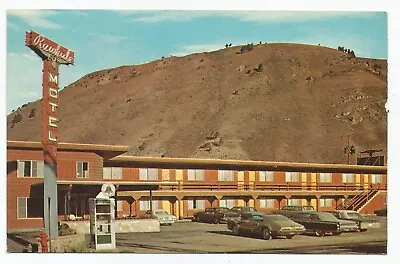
257,186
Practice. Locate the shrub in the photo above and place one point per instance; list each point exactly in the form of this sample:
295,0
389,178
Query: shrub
230,44
226,45
32,113
248,47
260,67
17,118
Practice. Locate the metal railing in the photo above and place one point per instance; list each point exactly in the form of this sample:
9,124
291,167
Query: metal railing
257,186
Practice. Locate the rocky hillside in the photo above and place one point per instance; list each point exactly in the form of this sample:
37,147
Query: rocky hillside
274,102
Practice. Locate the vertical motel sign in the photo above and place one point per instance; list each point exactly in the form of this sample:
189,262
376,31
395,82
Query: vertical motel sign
52,55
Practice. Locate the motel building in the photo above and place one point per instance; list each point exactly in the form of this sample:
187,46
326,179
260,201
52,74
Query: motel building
178,185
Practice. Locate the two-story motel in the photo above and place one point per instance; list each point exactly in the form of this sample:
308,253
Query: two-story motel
180,186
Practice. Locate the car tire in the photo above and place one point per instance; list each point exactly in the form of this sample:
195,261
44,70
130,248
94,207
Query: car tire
289,236
197,218
319,233
235,230
215,220
266,234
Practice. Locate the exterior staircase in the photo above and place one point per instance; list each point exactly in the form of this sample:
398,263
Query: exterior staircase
357,202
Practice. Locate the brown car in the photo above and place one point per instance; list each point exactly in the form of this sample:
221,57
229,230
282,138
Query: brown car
214,215
265,226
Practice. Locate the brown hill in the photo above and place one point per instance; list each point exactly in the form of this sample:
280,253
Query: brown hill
277,102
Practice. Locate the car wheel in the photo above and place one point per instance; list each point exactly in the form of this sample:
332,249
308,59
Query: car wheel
319,233
363,230
289,236
197,218
266,234
215,220
235,230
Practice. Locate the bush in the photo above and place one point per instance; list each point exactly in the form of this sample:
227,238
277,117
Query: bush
260,67
226,45
32,113
17,118
248,47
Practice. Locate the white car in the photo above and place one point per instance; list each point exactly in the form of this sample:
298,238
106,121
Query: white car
162,216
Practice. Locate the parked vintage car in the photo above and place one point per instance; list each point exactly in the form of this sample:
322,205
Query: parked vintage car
298,208
236,211
162,216
289,210
363,223
214,215
243,209
321,223
265,226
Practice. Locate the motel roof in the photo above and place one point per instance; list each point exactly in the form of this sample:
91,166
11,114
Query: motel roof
106,151
192,163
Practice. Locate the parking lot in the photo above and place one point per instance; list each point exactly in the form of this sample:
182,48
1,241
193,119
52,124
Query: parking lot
191,237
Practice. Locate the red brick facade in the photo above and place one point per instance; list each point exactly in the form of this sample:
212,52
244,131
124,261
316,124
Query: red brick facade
175,193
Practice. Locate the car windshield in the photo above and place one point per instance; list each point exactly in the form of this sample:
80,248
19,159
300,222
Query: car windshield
223,209
327,217
354,215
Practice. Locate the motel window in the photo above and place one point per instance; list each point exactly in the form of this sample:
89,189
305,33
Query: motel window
148,174
376,178
120,206
229,203
196,204
266,176
29,207
112,173
325,202
293,202
292,176
30,168
266,203
325,177
347,178
145,205
195,175
82,169
225,175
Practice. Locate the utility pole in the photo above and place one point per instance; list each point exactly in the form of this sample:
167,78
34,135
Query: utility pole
349,150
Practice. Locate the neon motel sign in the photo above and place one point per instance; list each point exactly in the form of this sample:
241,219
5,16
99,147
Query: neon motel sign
52,54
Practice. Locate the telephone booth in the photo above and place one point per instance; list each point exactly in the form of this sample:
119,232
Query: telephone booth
102,222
